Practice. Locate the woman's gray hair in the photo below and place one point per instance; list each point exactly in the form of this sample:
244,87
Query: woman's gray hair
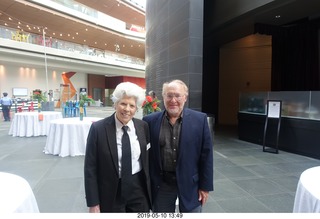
128,89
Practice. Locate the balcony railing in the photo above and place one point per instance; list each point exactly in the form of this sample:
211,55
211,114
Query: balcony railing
17,35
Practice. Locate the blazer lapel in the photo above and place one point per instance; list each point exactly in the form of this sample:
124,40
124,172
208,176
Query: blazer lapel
141,135
156,132
110,129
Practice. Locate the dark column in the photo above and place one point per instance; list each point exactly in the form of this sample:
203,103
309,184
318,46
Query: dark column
174,46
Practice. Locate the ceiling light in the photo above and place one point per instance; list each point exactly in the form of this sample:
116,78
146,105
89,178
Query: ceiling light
277,16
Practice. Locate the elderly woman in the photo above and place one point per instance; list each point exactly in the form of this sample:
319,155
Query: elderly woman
116,179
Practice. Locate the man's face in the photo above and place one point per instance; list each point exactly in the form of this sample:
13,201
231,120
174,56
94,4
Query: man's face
174,99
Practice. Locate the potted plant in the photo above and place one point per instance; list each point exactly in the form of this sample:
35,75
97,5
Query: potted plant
40,97
84,99
150,105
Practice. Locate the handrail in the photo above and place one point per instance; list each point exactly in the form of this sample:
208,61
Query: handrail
17,35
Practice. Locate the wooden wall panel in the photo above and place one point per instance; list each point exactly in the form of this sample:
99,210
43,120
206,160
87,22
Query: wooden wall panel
245,66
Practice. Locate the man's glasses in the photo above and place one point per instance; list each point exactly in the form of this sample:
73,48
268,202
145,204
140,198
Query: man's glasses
178,97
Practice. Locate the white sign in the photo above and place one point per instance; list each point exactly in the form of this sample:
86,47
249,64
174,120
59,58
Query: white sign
17,91
274,109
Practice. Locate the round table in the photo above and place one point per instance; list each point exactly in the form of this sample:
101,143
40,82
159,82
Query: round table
307,199
68,136
27,124
16,195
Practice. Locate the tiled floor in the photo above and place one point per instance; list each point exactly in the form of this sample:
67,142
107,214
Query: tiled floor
245,178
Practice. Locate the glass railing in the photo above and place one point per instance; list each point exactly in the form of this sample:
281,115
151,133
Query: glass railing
17,35
81,11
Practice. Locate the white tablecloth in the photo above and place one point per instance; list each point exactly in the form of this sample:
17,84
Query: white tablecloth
307,199
68,136
16,195
27,124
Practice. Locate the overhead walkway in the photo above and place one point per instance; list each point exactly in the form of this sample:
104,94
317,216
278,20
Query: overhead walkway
63,55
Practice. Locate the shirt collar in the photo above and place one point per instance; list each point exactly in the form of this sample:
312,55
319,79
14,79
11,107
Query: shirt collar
119,124
167,116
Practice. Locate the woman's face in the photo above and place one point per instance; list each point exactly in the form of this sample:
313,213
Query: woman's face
125,109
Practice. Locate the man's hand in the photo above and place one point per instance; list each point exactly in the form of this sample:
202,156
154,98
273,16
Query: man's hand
94,209
203,196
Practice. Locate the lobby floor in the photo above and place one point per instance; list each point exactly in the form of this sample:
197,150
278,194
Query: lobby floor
246,180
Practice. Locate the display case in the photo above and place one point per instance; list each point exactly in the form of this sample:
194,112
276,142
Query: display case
300,120
295,104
